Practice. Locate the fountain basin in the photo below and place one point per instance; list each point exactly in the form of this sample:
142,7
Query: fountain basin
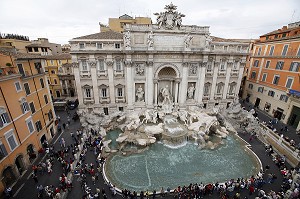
160,166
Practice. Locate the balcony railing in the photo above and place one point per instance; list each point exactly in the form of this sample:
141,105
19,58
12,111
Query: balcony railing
101,73
120,99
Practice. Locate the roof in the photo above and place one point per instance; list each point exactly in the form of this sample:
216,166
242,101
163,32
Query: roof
29,56
280,31
67,65
103,35
7,51
37,45
219,39
58,56
125,16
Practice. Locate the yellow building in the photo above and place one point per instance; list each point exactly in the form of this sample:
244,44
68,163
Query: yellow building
118,24
27,116
17,41
53,66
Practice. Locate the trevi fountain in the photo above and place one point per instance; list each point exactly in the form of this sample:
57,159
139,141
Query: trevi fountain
148,149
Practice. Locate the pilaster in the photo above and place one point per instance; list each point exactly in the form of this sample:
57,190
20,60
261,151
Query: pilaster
184,84
94,81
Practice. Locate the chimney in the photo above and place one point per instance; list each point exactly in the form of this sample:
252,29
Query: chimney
284,28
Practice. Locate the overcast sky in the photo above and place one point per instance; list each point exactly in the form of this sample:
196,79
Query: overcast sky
62,20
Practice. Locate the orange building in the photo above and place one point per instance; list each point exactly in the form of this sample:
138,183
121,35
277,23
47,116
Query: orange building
27,116
273,81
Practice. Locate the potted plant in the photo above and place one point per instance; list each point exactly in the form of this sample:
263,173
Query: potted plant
9,64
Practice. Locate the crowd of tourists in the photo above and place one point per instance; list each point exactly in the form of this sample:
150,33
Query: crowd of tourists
72,158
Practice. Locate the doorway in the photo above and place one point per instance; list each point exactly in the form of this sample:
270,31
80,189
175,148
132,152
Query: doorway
8,176
295,117
278,113
257,102
57,94
31,152
20,164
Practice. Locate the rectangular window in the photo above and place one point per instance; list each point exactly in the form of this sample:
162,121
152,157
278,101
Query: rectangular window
298,53
276,79
104,94
285,49
279,65
253,75
121,109
101,65
30,126
42,83
268,63
289,82
81,46
271,93
264,77
259,51
284,98
3,151
50,115
84,65
271,50
206,89
250,86
18,86
99,45
32,108
27,89
117,45
225,48
4,119
59,62
260,89
120,92
24,107
21,70
105,111
11,140
294,67
36,49
239,48
256,62
88,93
118,65
38,126
46,99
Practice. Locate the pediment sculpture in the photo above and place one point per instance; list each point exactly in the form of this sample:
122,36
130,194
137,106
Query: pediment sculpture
169,19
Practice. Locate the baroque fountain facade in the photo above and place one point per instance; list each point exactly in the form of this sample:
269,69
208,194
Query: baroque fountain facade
168,84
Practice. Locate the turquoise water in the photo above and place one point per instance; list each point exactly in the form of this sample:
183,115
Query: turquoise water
113,135
164,167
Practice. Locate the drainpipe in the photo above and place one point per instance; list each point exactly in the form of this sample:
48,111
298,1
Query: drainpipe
12,119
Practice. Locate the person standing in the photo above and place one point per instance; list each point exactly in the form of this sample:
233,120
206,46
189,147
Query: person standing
34,177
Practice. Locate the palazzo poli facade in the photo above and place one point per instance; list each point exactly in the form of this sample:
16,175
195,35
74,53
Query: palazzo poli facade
134,69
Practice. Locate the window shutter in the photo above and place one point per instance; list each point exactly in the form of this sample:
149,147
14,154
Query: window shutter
1,123
3,149
27,106
7,117
22,108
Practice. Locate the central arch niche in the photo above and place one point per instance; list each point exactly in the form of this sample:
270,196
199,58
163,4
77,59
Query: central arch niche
166,77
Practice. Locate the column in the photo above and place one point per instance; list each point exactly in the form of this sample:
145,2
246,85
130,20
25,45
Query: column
155,91
78,85
66,86
184,84
176,91
200,82
239,81
149,82
215,66
129,84
94,81
228,71
110,72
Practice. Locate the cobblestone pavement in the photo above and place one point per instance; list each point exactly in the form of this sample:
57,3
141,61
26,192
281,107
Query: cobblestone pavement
26,188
